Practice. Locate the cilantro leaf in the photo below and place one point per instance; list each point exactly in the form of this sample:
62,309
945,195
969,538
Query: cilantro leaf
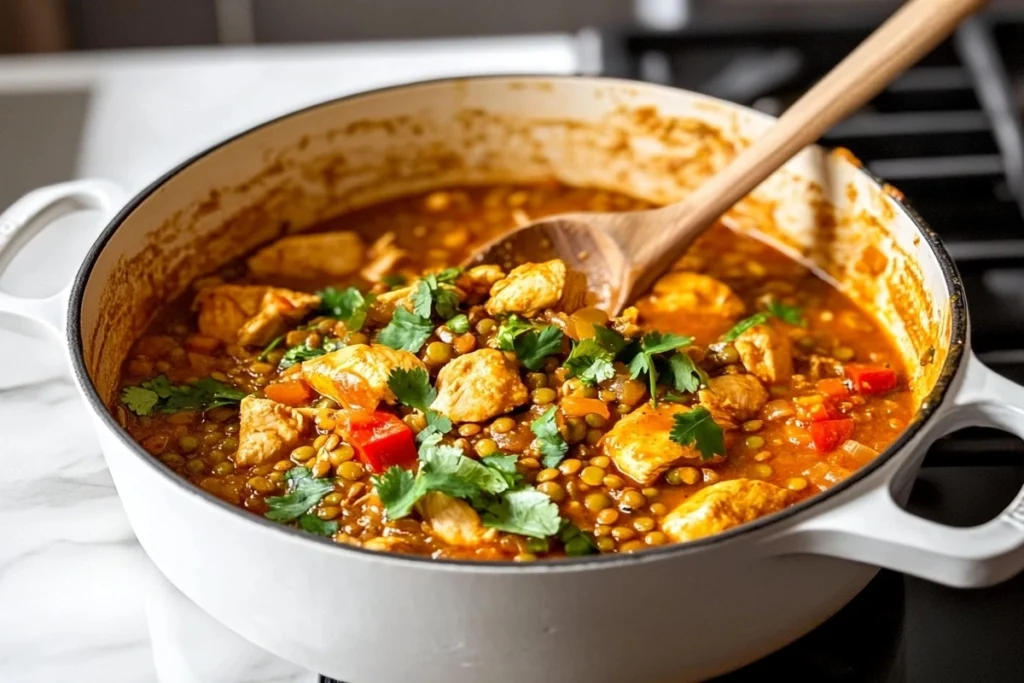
159,393
315,525
442,468
643,362
406,331
297,354
394,280
398,490
610,340
524,511
412,388
510,328
533,347
590,362
696,427
549,440
304,491
348,305
458,324
506,465
686,376
140,401
787,314
430,295
270,347
449,275
576,541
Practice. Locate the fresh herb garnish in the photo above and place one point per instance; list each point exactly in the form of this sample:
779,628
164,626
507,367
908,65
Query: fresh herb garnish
304,492
458,324
534,347
652,344
270,347
510,328
348,305
775,309
506,465
315,525
449,275
160,393
430,295
412,388
686,376
549,440
407,331
591,359
524,511
442,468
696,427
576,541
299,353
394,280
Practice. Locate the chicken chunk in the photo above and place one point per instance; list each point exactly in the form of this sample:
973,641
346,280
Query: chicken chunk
722,506
640,446
357,375
696,295
477,281
329,254
766,352
268,431
733,399
450,519
478,386
384,255
250,314
534,287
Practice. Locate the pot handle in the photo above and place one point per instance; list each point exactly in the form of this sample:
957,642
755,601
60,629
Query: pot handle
32,214
873,528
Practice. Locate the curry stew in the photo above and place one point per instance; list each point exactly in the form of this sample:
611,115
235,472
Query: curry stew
354,384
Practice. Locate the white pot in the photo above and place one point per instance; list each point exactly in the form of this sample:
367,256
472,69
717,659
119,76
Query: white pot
679,613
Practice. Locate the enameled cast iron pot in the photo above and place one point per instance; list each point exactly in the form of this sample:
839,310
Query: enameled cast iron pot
682,612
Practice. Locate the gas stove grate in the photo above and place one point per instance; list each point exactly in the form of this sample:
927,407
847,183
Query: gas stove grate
948,134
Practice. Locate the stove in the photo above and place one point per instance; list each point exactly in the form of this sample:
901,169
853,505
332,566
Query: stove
949,135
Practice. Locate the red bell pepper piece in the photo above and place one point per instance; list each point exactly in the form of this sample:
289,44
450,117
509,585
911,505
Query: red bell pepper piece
381,439
816,408
871,379
827,435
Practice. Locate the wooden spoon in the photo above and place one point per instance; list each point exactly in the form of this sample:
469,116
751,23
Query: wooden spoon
623,253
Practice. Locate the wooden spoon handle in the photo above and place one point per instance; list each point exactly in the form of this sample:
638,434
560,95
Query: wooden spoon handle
900,42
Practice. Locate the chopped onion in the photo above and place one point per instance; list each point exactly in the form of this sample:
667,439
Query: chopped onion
859,450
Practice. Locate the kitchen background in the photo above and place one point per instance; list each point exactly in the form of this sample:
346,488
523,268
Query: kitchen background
949,134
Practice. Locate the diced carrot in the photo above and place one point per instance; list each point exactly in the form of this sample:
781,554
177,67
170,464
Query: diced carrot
293,393
828,434
871,379
797,435
833,388
578,406
815,408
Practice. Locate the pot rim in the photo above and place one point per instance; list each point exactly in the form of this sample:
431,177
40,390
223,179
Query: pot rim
929,406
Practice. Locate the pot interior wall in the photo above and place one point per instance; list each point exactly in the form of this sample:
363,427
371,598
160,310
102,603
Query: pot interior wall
648,141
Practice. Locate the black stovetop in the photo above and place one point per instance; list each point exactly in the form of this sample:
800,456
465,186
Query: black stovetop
948,134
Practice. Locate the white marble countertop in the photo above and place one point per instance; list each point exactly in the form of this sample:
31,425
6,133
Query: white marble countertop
79,600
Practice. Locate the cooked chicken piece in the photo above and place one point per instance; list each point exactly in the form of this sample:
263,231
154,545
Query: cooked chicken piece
640,446
766,352
478,280
383,307
626,323
384,256
534,287
268,431
357,375
695,294
733,399
450,519
478,386
329,254
722,506
250,314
